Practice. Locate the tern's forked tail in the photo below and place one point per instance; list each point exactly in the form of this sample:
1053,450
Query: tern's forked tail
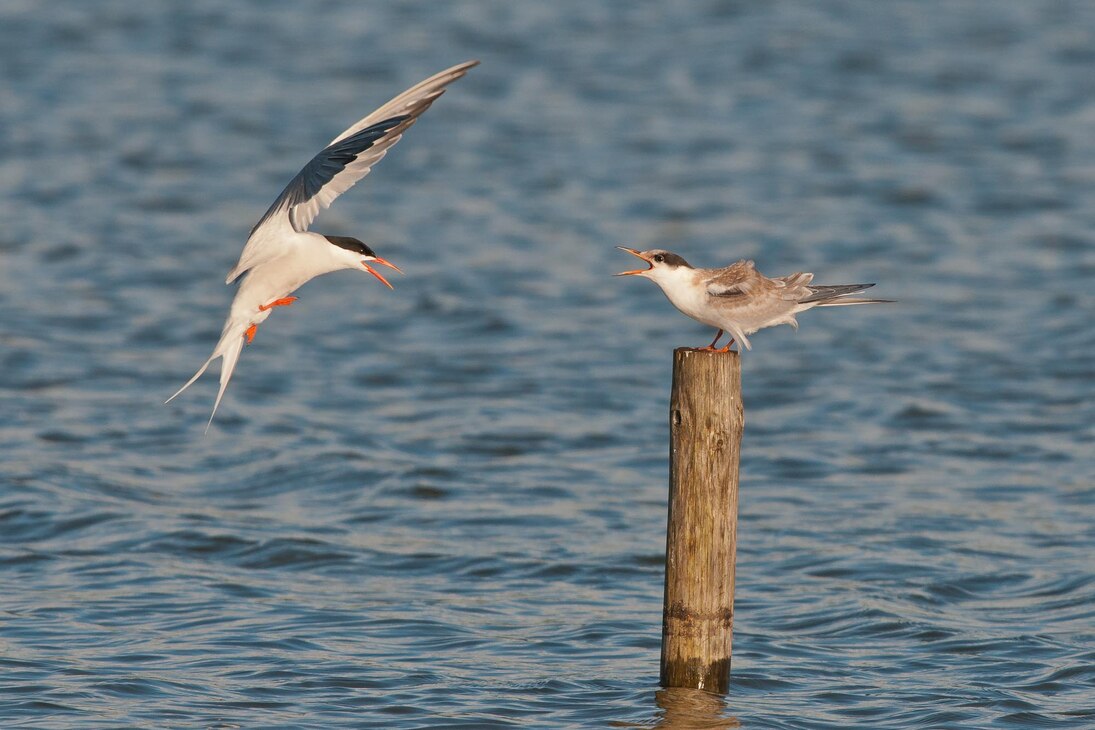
229,348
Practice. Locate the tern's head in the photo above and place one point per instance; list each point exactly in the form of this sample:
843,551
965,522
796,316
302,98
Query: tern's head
356,254
663,265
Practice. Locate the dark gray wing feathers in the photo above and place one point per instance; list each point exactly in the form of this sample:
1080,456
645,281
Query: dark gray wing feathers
324,166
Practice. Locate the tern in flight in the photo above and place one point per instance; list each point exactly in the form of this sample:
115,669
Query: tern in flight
281,254
739,299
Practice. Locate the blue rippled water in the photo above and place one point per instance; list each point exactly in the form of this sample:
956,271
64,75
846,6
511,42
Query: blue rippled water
444,506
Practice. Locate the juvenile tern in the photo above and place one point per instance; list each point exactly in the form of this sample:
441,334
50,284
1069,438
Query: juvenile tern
739,299
281,254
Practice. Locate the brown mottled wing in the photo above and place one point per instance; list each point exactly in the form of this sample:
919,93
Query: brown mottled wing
735,280
794,287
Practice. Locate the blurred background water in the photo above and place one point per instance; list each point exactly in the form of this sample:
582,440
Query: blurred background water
444,506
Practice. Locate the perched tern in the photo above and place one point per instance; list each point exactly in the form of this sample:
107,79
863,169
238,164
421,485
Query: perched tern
739,299
281,254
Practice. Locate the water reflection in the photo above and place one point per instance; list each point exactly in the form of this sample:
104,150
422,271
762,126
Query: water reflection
692,708
682,708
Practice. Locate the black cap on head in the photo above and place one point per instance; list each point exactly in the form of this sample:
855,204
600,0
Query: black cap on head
351,244
666,258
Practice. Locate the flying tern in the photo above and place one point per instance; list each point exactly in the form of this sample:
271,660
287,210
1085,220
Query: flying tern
281,254
739,299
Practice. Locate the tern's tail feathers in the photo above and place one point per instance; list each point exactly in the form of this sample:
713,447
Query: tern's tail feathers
844,301
837,296
229,348
190,382
739,337
231,355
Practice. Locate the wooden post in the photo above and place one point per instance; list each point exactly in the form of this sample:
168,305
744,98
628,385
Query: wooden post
706,419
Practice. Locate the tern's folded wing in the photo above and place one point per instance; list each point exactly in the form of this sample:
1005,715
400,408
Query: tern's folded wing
733,281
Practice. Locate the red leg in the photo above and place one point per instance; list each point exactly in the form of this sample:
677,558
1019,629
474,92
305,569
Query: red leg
711,347
283,302
250,333
727,348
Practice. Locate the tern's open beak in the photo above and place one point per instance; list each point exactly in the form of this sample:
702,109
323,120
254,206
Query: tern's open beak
633,252
377,274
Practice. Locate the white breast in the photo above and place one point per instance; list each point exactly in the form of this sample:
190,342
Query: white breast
686,293
309,257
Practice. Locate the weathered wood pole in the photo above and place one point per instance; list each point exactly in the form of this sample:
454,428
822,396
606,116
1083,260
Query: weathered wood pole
706,420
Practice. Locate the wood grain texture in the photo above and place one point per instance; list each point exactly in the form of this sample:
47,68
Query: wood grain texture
706,420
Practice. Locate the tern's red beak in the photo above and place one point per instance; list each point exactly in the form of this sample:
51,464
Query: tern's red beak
377,274
633,252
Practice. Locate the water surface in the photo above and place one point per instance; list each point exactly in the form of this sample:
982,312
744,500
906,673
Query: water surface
444,506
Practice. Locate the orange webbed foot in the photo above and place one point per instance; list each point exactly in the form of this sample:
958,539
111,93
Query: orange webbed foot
711,347
250,333
283,302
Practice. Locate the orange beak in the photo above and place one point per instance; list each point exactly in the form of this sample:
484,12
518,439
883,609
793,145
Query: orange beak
377,274
633,252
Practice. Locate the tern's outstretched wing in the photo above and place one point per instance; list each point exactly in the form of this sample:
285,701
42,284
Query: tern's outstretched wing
344,161
333,171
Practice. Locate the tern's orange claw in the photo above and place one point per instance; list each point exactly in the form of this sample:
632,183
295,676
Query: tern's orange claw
283,302
250,333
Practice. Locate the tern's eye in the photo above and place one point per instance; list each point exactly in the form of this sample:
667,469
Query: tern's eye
659,258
